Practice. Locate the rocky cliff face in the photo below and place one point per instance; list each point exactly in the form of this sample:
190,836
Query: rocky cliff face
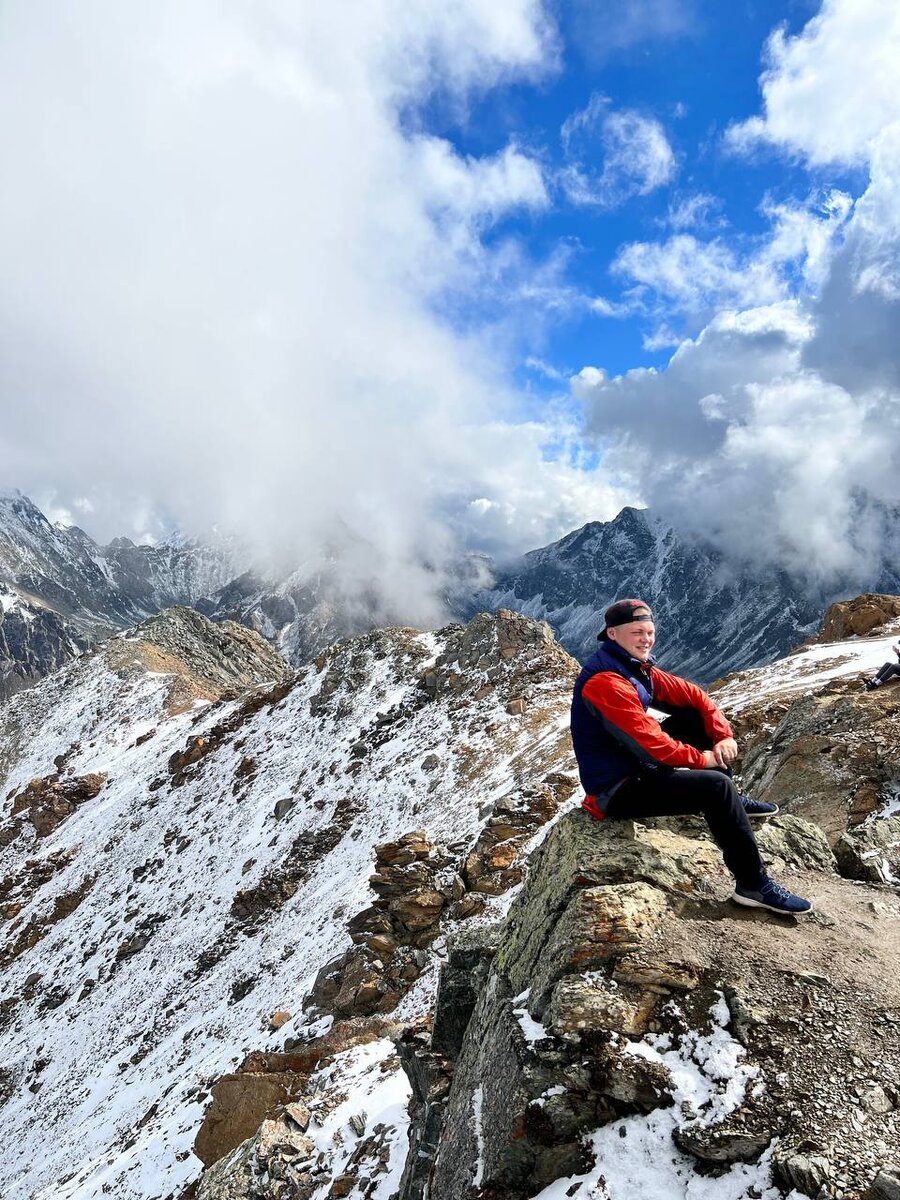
276,935
629,1033
713,616
815,741
60,592
625,1030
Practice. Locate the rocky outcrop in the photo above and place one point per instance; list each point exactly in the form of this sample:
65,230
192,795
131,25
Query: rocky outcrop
621,962
831,757
421,890
414,883
46,802
871,852
862,616
223,657
267,1104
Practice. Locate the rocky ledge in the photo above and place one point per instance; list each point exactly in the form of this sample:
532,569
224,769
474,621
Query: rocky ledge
563,1038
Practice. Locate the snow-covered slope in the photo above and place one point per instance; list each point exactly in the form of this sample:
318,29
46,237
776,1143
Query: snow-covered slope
810,669
156,910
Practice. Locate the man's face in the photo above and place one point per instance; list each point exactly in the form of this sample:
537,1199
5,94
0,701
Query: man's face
637,638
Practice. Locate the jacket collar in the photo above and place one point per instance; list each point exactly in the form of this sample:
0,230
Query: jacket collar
628,660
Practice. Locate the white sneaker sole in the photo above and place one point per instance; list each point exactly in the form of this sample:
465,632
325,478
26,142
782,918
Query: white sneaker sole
752,816
747,902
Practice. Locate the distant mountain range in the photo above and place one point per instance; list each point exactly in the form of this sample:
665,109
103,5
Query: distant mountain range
60,592
712,616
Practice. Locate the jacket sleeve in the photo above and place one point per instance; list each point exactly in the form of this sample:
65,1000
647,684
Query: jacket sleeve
617,703
671,689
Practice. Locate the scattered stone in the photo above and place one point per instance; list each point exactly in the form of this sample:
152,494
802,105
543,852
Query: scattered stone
46,802
806,1173
278,1019
721,1145
871,852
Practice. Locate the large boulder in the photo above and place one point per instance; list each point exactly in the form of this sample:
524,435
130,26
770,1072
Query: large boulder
859,617
830,757
622,971
871,852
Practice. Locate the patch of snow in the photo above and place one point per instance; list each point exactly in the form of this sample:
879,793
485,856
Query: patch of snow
377,1096
478,1122
136,1039
809,670
533,1031
636,1156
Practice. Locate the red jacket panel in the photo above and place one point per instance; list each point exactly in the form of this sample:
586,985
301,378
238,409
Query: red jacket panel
616,698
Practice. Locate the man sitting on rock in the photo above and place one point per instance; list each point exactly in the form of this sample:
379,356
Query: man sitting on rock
883,674
631,766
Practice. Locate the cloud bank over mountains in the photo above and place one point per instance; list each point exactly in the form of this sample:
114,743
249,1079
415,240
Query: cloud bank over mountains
775,429
230,262
250,276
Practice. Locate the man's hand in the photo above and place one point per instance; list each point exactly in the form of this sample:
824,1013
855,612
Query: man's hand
725,752
722,755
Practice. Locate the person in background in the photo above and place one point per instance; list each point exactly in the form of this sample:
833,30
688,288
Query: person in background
884,673
632,766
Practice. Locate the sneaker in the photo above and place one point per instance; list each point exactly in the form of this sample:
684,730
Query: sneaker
758,808
773,896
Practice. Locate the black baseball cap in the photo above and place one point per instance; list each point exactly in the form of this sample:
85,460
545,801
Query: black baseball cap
623,612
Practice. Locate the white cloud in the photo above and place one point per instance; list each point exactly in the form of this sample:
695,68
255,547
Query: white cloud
634,154
829,91
232,268
740,443
662,338
547,370
477,190
604,30
661,411
692,277
776,431
831,97
693,212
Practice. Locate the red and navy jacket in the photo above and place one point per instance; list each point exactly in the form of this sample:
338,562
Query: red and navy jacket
613,735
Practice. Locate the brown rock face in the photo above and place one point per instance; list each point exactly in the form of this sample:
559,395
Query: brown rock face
239,1105
830,756
578,1005
858,617
810,1007
46,802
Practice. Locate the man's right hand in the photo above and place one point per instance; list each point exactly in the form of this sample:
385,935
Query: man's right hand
709,761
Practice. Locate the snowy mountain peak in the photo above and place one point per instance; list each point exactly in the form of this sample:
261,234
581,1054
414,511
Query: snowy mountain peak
712,615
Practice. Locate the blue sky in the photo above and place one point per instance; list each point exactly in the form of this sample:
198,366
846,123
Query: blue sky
455,277
695,79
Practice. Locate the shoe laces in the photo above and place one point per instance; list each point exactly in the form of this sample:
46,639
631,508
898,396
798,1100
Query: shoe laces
776,890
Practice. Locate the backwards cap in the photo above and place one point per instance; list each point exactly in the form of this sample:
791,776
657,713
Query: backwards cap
624,612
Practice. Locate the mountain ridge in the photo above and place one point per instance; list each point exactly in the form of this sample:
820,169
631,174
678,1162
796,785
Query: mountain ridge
712,616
